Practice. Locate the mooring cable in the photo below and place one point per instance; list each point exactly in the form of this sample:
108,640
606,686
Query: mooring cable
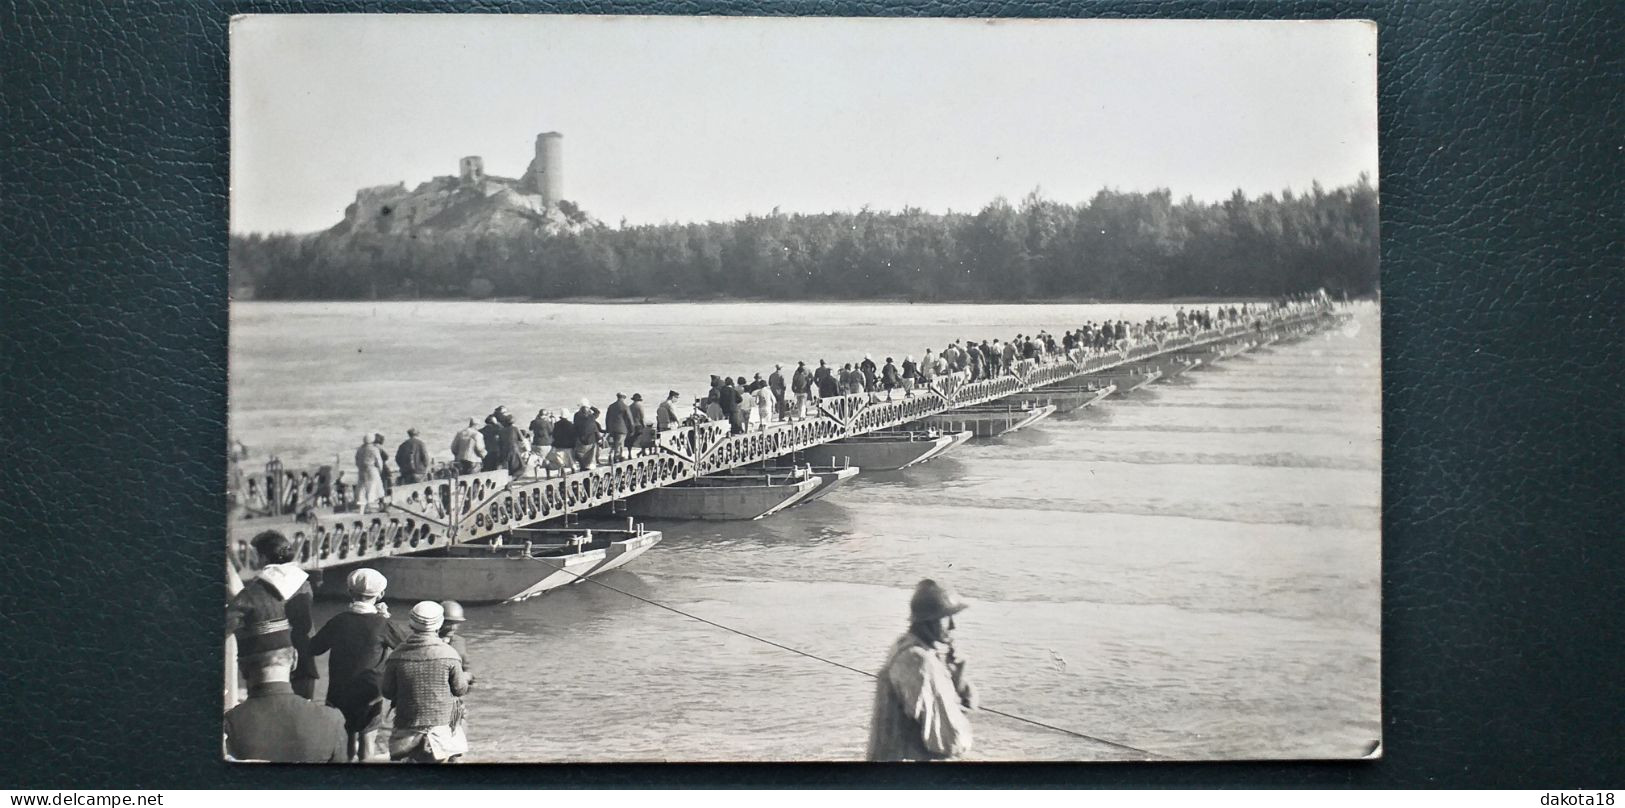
1012,716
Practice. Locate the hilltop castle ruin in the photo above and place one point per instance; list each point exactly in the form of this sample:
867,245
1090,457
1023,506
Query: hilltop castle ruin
470,201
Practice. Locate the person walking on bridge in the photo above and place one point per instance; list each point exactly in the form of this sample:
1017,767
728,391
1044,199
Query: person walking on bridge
512,446
824,383
728,400
541,431
775,382
468,448
666,415
851,379
413,458
922,694
766,404
618,423
801,385
369,466
562,456
868,367
640,437
588,433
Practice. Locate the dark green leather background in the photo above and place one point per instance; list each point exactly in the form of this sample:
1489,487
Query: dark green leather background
1503,220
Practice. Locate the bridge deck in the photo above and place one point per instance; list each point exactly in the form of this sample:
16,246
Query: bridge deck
492,502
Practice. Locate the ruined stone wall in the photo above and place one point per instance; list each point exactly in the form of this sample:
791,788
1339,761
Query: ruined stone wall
374,208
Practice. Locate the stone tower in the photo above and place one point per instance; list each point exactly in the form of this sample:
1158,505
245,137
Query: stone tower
471,169
546,174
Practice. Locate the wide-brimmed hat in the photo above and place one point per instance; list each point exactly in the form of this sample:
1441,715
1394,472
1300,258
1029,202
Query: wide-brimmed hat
412,433
637,396
585,404
366,583
933,601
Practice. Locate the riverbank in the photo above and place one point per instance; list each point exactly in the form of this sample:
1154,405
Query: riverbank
657,300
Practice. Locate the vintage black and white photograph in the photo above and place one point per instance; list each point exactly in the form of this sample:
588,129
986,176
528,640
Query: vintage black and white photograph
617,389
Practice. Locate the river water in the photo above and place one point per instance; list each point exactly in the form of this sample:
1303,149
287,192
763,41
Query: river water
1192,570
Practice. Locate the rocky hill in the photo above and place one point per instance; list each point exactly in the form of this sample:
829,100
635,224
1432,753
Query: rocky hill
452,206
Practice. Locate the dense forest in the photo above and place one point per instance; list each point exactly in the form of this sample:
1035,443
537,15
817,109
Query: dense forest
1117,246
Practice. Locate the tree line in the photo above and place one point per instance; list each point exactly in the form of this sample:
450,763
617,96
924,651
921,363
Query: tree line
1117,246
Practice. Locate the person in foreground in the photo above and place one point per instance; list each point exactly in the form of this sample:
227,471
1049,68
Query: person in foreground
280,592
424,679
360,639
922,694
275,724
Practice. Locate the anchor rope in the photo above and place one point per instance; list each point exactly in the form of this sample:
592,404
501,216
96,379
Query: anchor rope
1012,716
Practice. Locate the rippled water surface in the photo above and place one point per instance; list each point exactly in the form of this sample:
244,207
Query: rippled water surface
1192,569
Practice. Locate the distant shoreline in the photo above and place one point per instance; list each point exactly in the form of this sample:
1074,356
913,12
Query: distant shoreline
667,300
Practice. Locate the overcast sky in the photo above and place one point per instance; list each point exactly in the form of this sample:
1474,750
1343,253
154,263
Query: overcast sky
683,119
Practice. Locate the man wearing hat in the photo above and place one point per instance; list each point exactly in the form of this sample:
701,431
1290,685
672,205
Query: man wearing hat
541,431
666,414
801,384
280,595
424,678
360,639
921,695
413,458
492,434
870,373
641,438
775,382
275,724
618,423
511,446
